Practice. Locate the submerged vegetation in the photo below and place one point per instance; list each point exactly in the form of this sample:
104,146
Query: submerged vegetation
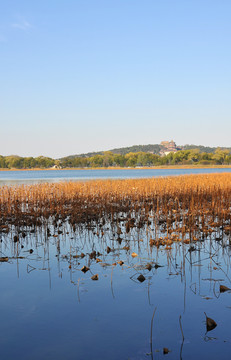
109,159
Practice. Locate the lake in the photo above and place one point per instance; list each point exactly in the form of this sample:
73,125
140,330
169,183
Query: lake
50,309
32,176
144,277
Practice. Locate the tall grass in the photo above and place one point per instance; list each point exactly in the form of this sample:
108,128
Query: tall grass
182,208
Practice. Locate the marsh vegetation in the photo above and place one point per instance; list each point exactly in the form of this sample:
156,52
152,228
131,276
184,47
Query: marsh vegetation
138,268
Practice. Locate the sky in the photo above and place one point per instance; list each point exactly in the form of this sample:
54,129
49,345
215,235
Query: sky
86,75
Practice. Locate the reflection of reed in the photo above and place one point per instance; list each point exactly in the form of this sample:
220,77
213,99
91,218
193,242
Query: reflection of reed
182,333
151,333
82,250
72,251
179,223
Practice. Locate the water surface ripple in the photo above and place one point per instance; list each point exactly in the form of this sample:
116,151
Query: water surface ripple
36,176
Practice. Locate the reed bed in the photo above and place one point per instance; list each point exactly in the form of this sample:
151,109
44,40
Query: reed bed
182,208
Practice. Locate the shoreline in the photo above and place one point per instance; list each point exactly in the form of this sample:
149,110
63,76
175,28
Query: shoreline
161,167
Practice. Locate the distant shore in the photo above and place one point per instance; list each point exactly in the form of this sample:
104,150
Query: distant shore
164,167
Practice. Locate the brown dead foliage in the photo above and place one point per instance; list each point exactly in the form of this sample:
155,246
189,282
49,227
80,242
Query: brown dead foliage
183,208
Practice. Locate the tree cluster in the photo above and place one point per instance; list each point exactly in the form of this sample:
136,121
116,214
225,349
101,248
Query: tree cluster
109,159
184,157
18,162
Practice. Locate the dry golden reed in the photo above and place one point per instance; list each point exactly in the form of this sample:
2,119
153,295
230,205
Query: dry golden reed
181,207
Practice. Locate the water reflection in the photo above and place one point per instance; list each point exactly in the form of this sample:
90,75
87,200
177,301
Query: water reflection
145,302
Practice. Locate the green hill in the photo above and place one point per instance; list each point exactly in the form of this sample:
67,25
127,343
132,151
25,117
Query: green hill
202,148
150,148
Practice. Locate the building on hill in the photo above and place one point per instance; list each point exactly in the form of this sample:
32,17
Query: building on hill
167,147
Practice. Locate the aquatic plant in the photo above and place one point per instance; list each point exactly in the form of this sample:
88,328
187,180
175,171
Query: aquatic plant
182,208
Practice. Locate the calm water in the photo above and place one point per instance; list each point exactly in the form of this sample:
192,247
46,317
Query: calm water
50,309
15,177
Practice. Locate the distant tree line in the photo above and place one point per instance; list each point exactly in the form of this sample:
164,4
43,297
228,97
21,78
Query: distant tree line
18,162
184,157
107,159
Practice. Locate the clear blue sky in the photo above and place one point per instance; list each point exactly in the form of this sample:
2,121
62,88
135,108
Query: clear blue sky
88,75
